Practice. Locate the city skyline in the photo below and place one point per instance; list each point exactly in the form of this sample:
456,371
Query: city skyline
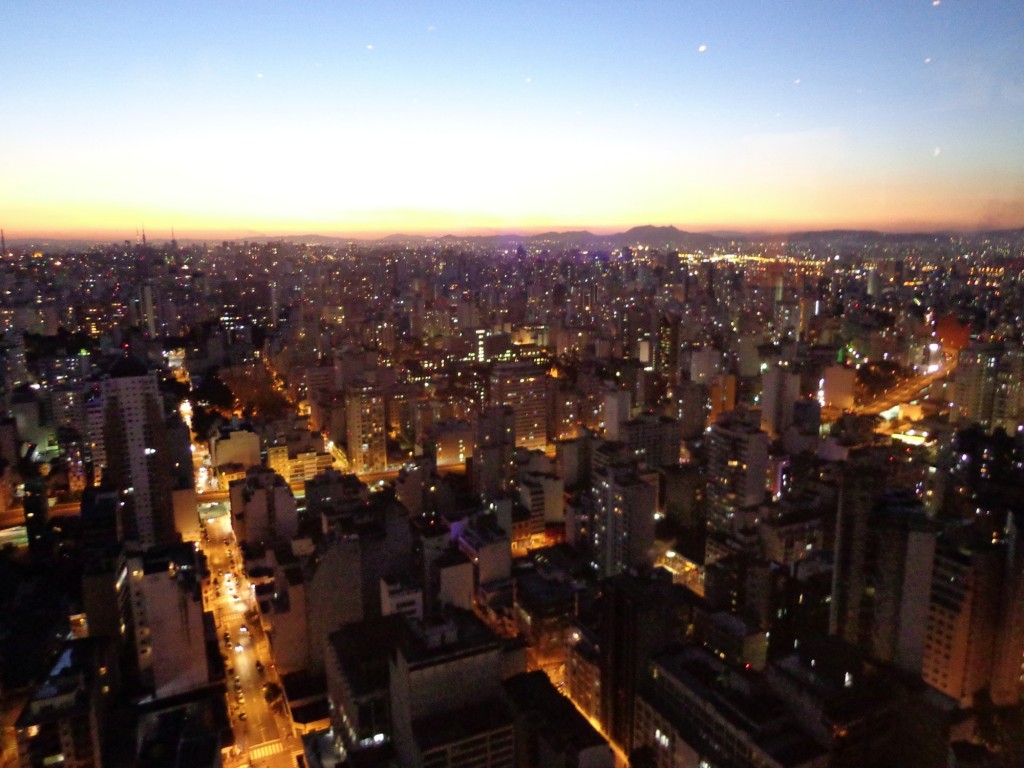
340,120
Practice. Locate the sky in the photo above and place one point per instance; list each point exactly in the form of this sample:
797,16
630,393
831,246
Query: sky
370,118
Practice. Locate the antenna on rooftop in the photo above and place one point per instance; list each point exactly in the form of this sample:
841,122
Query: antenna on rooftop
3,245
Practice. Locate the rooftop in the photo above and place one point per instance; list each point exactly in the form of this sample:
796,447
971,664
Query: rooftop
446,728
363,650
457,634
561,723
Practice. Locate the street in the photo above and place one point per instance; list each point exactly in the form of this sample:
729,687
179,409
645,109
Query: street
262,736
905,391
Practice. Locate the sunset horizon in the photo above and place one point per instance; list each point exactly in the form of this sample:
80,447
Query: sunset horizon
186,234
342,121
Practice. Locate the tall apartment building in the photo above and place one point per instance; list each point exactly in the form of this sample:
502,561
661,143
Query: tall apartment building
543,494
357,671
447,704
523,387
654,440
989,385
130,448
263,508
737,466
974,384
974,637
64,720
1008,394
494,449
693,710
367,433
170,628
666,353
549,729
622,528
780,389
885,545
640,616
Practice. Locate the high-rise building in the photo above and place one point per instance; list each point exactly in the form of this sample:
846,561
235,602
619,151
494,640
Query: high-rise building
64,721
494,450
168,620
737,466
523,387
357,671
666,357
616,407
692,709
263,508
133,444
990,385
446,701
885,544
640,616
654,440
1005,688
148,306
622,528
780,388
721,396
1008,392
975,637
975,383
962,615
367,436
692,408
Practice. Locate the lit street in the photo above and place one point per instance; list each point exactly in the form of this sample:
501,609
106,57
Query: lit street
906,391
262,735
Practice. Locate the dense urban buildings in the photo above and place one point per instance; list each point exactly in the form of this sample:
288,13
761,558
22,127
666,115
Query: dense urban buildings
654,499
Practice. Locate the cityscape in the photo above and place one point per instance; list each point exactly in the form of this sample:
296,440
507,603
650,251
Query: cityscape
656,499
512,385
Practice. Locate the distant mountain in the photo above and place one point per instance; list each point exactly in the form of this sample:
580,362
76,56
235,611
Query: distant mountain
648,235
581,234
663,237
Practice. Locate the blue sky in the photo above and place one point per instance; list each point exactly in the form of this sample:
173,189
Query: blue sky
341,117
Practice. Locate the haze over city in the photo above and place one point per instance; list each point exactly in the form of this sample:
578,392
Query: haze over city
370,119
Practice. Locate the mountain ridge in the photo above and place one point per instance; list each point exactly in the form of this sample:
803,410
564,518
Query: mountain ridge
650,235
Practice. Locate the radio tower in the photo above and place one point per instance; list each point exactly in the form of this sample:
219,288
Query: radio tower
3,245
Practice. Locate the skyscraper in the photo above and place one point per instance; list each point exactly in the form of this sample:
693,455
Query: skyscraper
625,502
989,388
737,466
523,387
962,615
640,616
133,444
494,447
885,545
780,388
367,446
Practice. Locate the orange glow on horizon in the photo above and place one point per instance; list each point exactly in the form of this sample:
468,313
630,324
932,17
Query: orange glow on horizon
759,203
